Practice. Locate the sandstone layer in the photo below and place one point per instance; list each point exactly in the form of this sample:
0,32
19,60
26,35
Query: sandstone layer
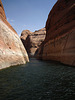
12,51
32,40
59,44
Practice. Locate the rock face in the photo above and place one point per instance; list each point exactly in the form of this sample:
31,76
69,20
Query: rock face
59,44
12,51
24,35
32,40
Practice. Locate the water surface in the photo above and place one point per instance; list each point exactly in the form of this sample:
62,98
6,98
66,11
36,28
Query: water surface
38,80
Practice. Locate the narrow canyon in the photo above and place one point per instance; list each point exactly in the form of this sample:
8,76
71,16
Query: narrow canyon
54,42
32,40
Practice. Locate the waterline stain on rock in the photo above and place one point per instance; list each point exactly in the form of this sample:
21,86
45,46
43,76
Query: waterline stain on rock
12,51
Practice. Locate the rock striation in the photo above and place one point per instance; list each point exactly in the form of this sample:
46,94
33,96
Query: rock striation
12,51
59,44
32,40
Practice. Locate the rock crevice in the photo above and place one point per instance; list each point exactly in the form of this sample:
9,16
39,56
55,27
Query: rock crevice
32,40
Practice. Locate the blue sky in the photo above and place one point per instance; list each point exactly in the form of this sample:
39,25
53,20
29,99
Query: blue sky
27,14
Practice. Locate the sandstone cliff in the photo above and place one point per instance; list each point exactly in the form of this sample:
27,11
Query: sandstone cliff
59,43
32,40
12,51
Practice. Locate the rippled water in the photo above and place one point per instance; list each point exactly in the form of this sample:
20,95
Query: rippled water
38,80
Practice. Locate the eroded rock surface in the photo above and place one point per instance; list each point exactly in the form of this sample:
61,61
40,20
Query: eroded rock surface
12,51
59,43
32,40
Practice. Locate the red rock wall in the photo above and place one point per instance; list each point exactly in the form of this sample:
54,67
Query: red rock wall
59,43
32,40
2,12
62,14
3,17
12,51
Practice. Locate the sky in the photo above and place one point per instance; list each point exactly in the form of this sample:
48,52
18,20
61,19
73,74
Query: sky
27,14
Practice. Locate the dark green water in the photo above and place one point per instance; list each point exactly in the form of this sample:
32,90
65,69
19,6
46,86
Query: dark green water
38,80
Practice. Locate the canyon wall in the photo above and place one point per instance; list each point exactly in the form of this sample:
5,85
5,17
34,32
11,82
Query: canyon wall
12,51
59,44
32,40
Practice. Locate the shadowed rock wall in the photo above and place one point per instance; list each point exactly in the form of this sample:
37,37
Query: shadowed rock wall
59,43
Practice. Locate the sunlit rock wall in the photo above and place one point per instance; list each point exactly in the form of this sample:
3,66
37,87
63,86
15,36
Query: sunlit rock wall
12,51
